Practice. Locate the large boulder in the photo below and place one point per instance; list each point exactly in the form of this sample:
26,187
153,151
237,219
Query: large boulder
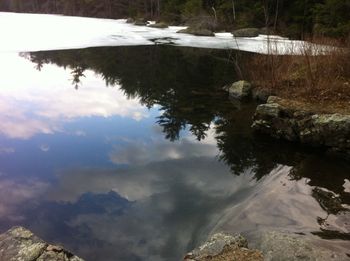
19,243
272,245
246,32
239,90
278,246
200,27
224,247
196,31
284,119
141,22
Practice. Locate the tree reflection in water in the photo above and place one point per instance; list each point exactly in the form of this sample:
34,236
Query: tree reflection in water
186,84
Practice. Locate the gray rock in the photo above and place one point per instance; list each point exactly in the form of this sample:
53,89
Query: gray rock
141,22
239,90
224,247
277,246
246,32
196,31
280,119
261,95
130,20
19,244
203,23
160,25
269,109
200,27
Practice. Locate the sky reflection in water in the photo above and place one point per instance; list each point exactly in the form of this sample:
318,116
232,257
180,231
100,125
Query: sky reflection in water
123,172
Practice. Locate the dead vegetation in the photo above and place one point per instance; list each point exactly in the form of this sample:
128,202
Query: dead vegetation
322,80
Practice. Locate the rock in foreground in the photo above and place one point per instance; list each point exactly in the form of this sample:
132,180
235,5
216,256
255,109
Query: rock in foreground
286,246
224,247
19,243
291,121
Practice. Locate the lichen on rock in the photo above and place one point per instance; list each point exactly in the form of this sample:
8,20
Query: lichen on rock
19,244
277,245
239,90
224,247
284,120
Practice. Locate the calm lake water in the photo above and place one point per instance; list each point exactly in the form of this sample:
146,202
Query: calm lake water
136,153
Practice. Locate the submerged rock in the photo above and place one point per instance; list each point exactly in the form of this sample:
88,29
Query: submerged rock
224,247
19,243
246,32
281,119
328,200
239,90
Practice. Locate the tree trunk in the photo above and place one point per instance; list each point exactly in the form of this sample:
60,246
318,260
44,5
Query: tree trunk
266,12
276,15
233,10
216,18
158,8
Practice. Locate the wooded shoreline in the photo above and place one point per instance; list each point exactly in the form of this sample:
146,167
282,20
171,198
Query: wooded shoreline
297,19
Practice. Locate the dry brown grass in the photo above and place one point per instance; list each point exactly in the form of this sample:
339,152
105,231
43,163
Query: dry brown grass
322,80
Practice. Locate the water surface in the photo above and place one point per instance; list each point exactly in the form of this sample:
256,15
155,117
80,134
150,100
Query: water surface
136,153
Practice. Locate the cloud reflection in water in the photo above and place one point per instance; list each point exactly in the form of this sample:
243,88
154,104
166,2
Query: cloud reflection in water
40,102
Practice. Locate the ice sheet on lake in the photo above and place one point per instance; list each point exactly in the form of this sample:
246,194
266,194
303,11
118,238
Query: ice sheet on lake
34,32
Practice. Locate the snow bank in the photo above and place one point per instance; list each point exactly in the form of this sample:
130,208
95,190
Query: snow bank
35,32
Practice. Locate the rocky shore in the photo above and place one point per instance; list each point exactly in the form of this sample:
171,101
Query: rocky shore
20,244
284,119
223,246
296,121
272,245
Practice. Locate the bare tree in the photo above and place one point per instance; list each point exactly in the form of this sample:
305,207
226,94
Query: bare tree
158,8
266,12
276,15
215,16
233,10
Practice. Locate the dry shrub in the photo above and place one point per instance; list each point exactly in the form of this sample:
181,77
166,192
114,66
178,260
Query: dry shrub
317,74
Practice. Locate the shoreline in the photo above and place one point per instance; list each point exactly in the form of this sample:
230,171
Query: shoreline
273,245
296,121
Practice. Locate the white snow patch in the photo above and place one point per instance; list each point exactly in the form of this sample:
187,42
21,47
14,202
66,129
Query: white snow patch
37,32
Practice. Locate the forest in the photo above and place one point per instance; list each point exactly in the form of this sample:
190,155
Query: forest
294,18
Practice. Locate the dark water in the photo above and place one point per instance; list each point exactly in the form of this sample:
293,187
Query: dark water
136,153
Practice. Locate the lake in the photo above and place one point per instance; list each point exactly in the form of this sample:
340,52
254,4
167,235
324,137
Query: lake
137,153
